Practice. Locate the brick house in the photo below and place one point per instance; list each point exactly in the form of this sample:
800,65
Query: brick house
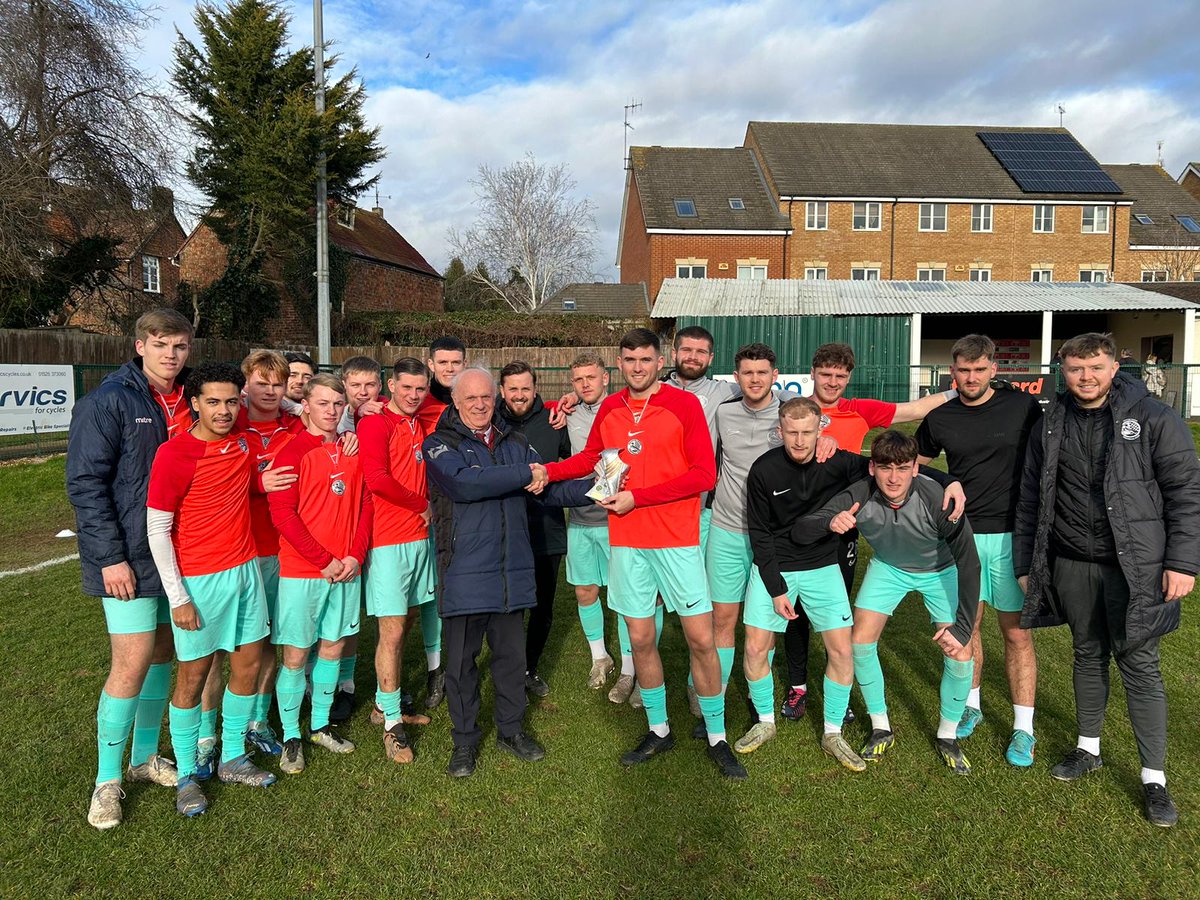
145,278
698,213
386,273
619,303
1189,179
1164,226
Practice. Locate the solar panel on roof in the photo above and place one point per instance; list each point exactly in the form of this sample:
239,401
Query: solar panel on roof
1048,162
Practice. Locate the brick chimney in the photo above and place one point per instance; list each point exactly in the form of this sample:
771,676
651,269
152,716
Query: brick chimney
378,210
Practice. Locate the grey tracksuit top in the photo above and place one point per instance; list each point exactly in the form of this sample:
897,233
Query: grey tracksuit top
579,425
743,436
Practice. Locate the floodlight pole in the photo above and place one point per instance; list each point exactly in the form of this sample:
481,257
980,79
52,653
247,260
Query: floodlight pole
323,332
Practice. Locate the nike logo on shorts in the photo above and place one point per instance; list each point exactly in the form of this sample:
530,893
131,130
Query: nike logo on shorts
354,625
784,491
845,618
690,605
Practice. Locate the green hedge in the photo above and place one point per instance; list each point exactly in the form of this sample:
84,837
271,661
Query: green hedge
479,328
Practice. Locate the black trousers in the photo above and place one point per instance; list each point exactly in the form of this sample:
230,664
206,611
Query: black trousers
1094,598
541,617
462,639
796,637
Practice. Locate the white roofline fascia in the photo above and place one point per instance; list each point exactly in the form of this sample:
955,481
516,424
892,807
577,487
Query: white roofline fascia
1164,247
723,231
624,208
993,201
1182,175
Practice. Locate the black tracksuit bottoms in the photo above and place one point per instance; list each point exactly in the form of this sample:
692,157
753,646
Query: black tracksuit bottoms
541,617
462,639
1094,598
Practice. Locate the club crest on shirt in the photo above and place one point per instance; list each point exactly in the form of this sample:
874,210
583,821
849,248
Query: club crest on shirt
634,446
338,487
774,438
266,440
262,466
824,421
1131,429
417,455
242,445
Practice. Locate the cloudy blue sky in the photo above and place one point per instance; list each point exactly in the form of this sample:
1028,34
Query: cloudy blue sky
457,84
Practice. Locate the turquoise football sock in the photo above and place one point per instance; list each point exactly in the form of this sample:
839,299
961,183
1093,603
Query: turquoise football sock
623,636
713,710
592,620
431,634
324,682
152,703
185,732
114,721
235,721
762,695
869,675
725,656
345,680
655,701
289,686
956,683
389,702
837,699
208,725
262,706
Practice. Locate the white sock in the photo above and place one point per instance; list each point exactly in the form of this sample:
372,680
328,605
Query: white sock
880,722
598,651
433,659
347,685
1154,776
254,726
1091,745
388,723
1023,718
714,739
800,687
973,698
662,729
830,728
769,718
947,730
627,669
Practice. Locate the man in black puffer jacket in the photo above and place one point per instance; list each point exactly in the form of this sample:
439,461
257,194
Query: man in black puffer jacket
487,470
1107,540
523,409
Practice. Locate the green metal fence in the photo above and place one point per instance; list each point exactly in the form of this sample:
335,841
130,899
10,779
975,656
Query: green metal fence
895,383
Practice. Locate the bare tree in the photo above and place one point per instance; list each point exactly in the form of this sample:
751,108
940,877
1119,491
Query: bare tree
532,235
84,136
1178,256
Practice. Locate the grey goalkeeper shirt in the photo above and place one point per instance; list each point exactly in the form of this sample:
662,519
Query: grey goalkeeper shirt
743,436
579,425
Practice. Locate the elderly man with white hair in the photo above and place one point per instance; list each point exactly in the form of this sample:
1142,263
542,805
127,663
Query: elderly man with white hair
486,469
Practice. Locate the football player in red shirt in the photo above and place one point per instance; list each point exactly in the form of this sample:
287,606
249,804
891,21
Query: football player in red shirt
324,524
198,525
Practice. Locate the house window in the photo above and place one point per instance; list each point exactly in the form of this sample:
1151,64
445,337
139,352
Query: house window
1144,220
150,274
1189,224
736,203
1154,274
568,305
820,274
1095,220
754,273
1093,276
345,216
1041,275
691,271
685,209
816,215
864,274
981,274
866,216
1043,218
933,217
931,274
981,217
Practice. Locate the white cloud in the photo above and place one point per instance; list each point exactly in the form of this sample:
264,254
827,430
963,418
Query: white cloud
504,79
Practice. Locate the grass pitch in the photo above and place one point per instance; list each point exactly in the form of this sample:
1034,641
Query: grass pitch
577,824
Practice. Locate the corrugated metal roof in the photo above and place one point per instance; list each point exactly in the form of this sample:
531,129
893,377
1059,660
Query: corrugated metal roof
796,297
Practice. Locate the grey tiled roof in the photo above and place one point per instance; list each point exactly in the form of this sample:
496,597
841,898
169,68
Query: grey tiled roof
796,297
710,177
823,159
612,301
1159,196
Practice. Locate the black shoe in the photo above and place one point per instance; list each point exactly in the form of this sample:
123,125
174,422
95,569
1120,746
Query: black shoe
1076,764
343,707
535,685
723,756
435,688
407,706
699,730
848,719
651,745
522,746
753,711
1160,808
794,704
462,762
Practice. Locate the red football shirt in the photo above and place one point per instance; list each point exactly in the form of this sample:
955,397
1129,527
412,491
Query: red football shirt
326,513
266,440
176,409
390,447
206,484
430,411
848,421
668,448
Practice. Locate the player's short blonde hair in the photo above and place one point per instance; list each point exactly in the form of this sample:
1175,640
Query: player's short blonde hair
588,359
325,380
266,362
799,408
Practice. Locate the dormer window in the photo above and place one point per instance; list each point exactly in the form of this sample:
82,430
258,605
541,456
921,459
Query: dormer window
568,305
345,216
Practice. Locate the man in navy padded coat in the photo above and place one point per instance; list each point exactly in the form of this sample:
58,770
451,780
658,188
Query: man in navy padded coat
488,470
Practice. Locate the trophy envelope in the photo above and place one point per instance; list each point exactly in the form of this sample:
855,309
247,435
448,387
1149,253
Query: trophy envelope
609,472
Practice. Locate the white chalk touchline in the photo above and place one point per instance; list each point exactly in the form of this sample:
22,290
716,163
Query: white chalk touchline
42,565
